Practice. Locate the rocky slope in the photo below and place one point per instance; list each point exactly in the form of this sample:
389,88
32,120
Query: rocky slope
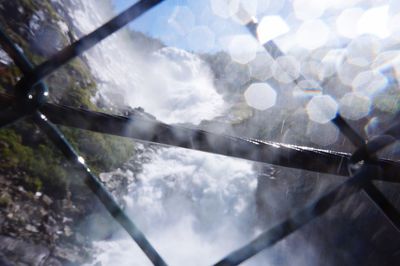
43,203
37,229
46,213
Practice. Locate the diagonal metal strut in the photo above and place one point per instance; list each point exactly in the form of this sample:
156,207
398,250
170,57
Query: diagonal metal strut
145,129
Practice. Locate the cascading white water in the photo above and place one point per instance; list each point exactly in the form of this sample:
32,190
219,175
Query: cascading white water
171,84
194,207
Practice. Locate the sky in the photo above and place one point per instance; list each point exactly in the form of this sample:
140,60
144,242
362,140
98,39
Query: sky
193,25
187,24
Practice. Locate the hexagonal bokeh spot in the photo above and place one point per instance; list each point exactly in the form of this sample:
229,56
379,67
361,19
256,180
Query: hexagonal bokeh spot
225,8
322,134
246,12
354,106
309,9
243,48
369,83
322,109
346,22
271,27
363,50
260,96
286,69
261,66
312,34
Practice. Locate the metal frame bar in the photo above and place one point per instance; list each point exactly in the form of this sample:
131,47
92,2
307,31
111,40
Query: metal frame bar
300,218
291,224
85,43
31,82
145,129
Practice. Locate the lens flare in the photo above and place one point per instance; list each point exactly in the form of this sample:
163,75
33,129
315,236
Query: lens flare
260,96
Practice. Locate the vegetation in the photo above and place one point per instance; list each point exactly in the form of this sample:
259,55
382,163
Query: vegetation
22,146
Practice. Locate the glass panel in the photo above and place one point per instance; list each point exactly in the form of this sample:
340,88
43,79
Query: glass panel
345,235
270,70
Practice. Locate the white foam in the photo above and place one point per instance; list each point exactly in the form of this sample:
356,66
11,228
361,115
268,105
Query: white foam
194,208
171,84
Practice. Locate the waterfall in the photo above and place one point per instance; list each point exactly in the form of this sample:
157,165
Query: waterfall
194,207
171,84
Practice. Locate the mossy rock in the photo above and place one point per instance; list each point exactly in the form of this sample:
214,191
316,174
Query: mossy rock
23,146
5,199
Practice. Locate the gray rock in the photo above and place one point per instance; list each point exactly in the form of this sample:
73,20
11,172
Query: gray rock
20,252
47,200
67,254
31,228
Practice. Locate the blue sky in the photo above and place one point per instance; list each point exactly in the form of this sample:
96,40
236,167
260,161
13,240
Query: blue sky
202,33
